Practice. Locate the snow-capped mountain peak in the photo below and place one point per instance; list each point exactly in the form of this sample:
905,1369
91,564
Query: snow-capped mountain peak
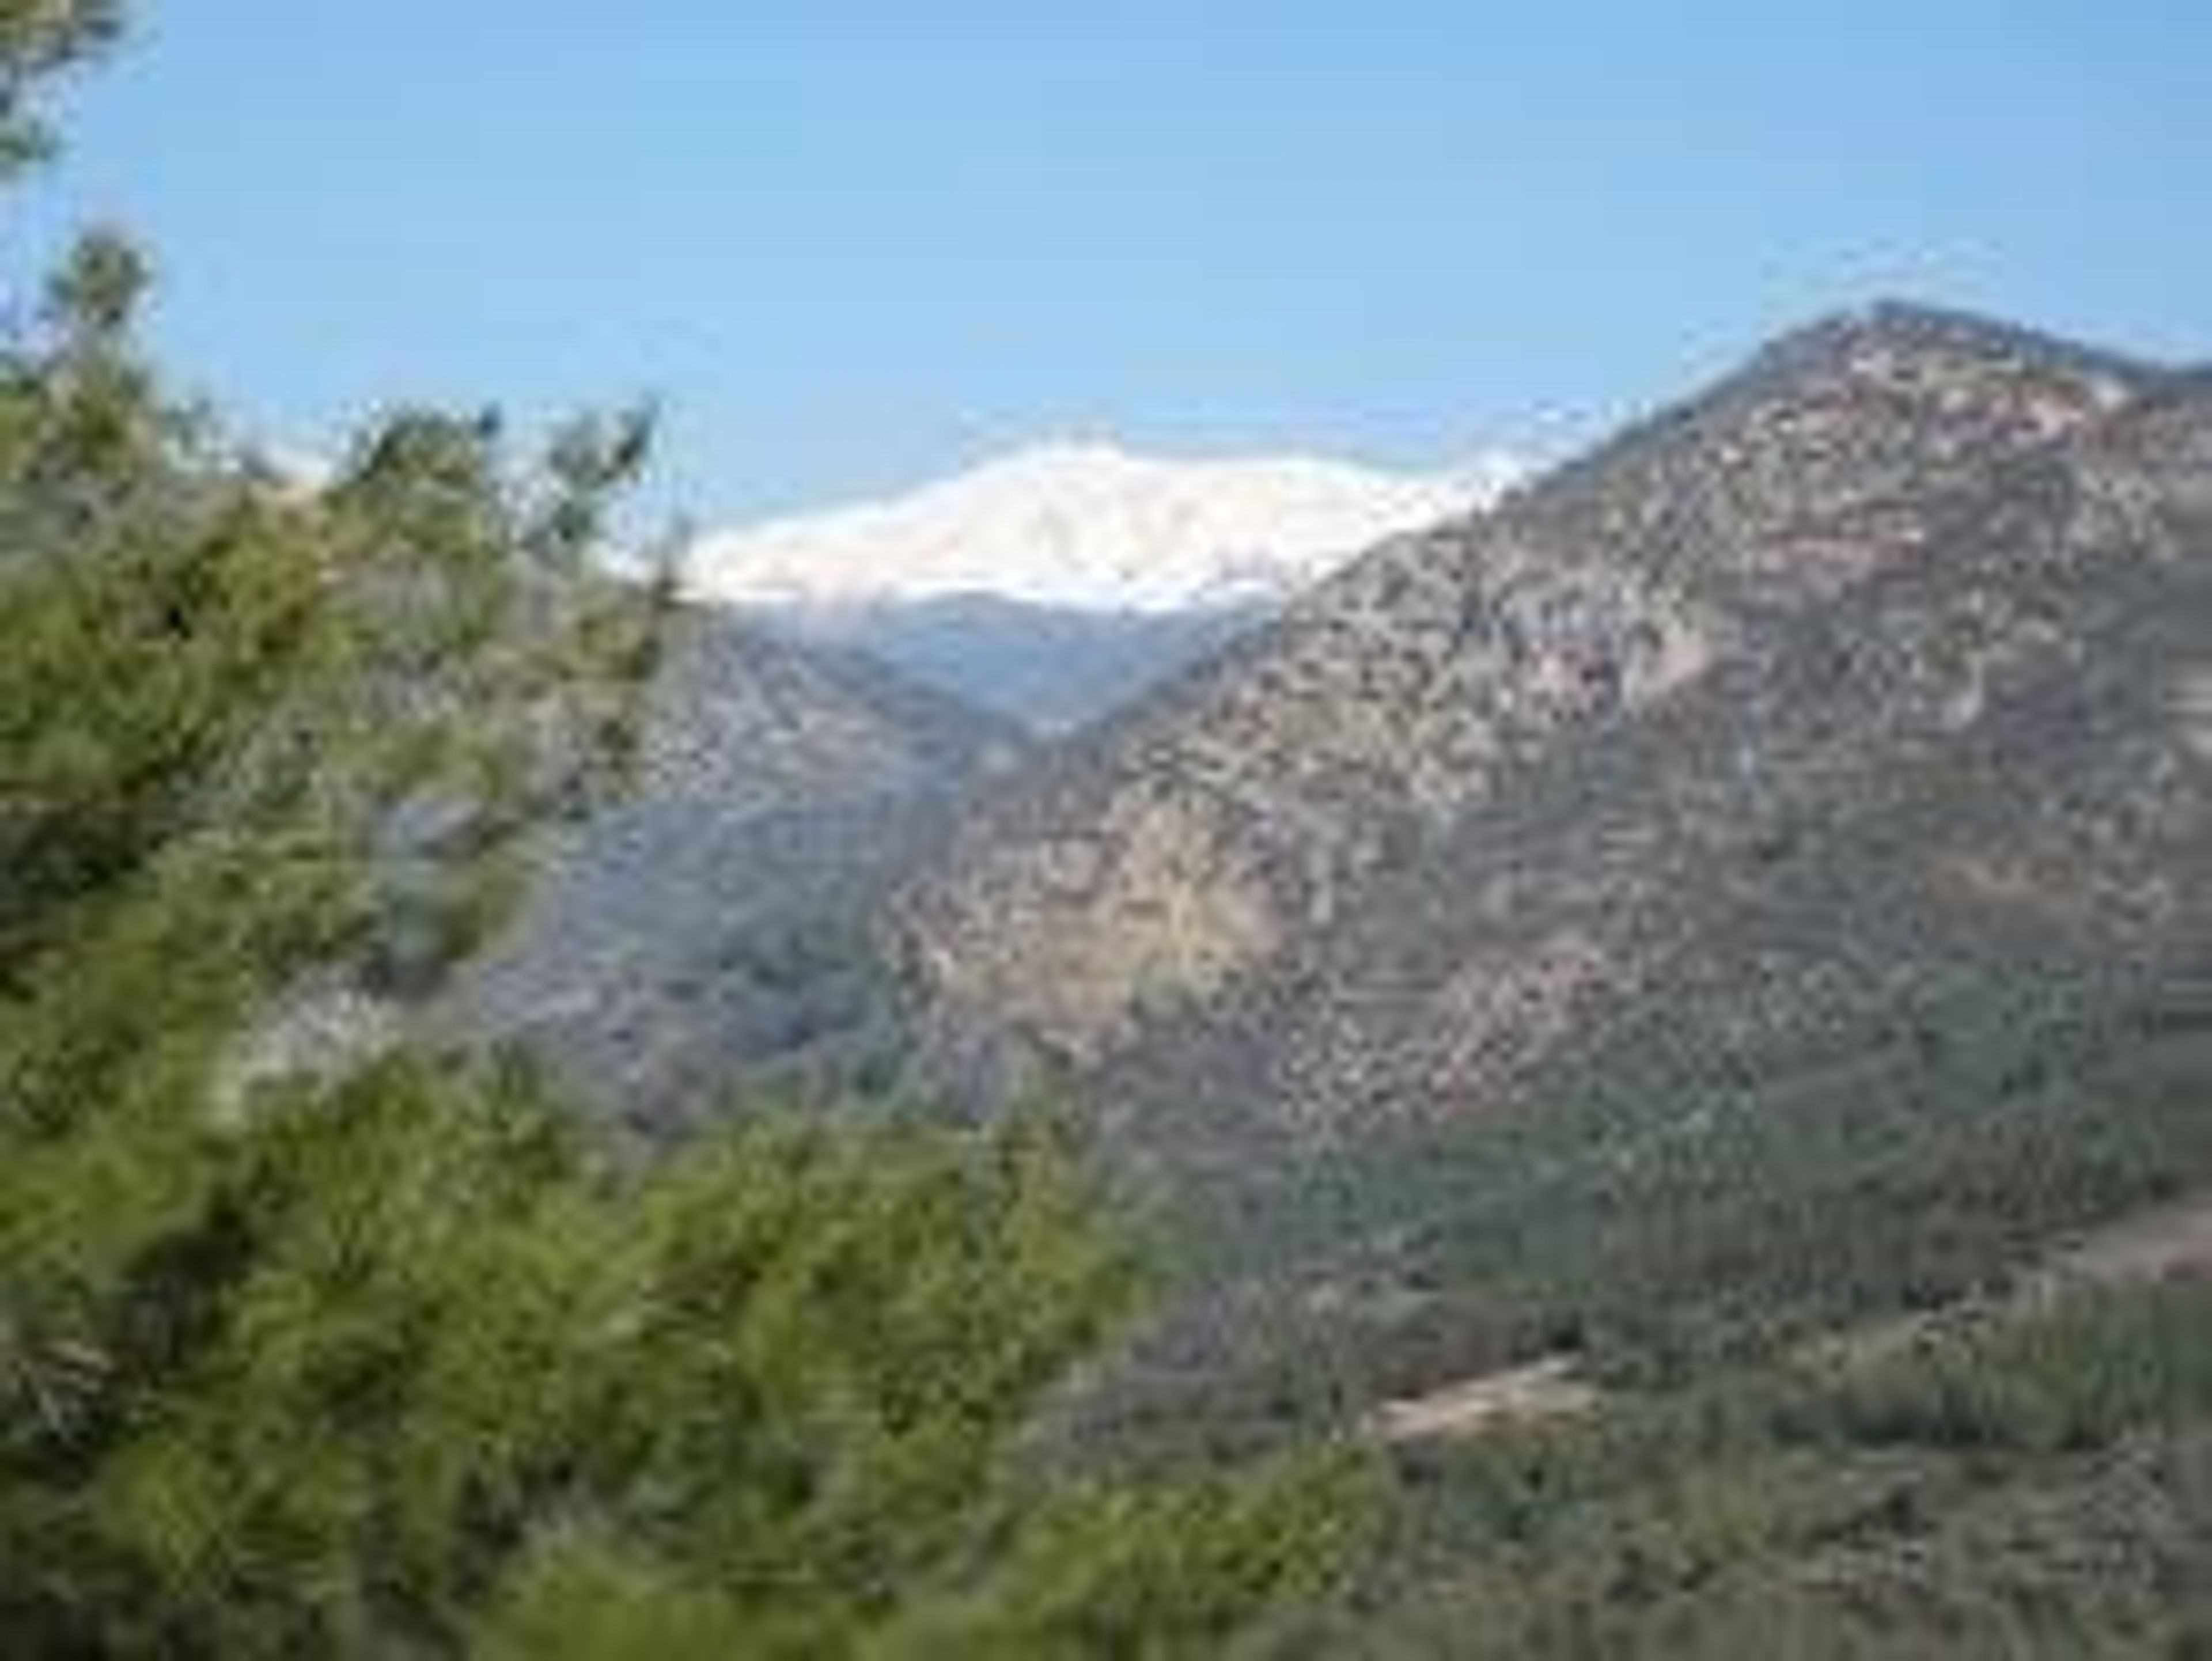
1089,527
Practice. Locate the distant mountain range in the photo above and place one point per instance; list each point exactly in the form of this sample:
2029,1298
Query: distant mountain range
1052,584
1050,668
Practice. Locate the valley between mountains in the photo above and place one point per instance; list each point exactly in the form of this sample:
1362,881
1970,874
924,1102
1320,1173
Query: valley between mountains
1749,884
1307,1008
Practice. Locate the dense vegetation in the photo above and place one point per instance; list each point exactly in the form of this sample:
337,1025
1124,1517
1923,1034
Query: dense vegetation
389,1353
1656,1237
1837,1390
2039,1485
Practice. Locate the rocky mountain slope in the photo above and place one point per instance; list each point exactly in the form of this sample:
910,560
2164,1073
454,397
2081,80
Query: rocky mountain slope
1749,895
1883,659
1679,1011
711,925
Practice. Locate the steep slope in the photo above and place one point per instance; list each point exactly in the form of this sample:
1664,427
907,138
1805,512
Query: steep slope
712,925
1597,972
1878,665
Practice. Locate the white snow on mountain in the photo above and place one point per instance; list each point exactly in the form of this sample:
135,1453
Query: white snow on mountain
1090,527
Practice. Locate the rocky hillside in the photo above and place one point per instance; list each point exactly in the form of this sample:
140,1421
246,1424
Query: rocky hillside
1879,673
712,924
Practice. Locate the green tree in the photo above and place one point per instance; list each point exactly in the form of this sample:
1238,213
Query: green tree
406,1358
38,37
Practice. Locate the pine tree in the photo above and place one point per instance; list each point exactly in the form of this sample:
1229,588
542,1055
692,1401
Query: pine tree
405,1358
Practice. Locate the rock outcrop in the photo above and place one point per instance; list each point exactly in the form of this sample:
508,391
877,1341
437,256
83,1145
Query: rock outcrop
1878,671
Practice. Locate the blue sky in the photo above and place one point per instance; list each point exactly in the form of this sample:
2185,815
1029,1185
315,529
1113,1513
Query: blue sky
852,243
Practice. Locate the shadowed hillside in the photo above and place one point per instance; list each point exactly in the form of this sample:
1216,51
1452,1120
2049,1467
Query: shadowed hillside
712,925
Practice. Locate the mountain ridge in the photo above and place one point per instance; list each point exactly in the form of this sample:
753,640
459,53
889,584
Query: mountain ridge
1089,526
1187,858
1753,888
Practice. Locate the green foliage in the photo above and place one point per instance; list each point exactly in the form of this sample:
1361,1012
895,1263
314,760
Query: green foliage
405,1359
433,1358
1163,1570
433,1367
245,733
2038,1482
1657,1242
2087,1371
1840,1414
38,38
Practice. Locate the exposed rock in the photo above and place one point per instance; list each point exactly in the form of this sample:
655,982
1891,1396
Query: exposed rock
1878,667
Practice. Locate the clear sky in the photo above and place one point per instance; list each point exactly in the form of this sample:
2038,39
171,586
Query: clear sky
852,243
